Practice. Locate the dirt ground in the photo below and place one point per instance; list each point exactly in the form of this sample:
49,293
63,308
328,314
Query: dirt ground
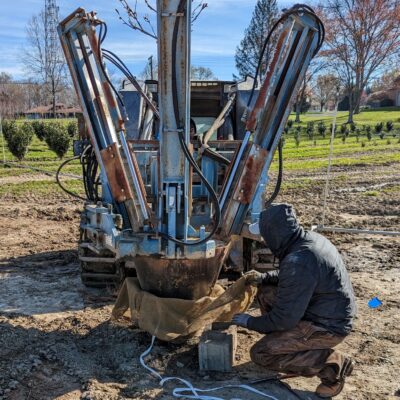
57,340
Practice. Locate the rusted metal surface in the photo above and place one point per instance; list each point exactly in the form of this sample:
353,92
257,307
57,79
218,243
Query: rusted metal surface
103,118
180,278
150,144
262,96
248,182
115,170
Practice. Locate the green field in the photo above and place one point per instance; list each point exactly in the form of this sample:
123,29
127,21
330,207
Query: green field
308,155
366,117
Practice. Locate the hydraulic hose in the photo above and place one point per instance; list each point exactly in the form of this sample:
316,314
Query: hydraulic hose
185,149
59,182
100,55
296,9
278,184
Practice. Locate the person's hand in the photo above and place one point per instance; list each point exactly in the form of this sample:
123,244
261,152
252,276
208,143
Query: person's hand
254,277
241,320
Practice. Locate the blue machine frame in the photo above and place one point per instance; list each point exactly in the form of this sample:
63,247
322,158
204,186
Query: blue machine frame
148,184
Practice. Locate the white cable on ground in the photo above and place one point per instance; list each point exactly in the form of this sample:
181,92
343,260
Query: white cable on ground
189,391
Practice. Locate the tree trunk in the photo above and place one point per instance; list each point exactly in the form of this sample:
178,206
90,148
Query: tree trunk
53,95
298,111
351,108
357,102
299,102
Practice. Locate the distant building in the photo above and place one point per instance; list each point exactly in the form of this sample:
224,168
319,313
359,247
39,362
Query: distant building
394,92
386,98
62,111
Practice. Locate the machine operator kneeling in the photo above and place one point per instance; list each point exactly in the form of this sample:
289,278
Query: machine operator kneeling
307,306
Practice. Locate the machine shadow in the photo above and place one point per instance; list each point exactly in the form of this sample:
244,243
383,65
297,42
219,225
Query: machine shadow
47,283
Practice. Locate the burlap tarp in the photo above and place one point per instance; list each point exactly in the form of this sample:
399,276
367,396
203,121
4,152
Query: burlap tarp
169,319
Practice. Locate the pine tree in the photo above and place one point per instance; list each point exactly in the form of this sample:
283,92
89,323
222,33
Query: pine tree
249,51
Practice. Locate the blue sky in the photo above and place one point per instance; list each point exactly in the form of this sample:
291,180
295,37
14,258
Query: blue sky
215,35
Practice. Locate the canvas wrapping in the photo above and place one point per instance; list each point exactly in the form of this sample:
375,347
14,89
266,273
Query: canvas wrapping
169,319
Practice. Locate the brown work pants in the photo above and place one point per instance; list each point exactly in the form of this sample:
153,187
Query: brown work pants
305,350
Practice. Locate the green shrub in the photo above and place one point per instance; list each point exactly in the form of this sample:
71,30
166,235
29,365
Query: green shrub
310,130
368,130
389,126
353,127
358,134
290,123
57,138
40,129
379,130
9,128
344,130
297,135
362,143
19,140
322,129
72,128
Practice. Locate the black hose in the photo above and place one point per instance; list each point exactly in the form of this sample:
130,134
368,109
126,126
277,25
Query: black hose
185,149
117,62
296,9
59,182
101,39
278,184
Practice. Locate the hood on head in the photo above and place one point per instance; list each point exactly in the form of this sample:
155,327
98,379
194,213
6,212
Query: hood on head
279,228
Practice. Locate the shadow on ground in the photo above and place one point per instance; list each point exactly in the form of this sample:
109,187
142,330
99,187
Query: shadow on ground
46,283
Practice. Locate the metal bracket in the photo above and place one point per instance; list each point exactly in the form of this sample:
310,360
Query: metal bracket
117,178
165,14
174,130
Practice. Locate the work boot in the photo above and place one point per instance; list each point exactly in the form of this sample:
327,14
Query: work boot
332,387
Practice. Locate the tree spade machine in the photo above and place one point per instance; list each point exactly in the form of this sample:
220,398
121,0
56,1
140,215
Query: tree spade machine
176,195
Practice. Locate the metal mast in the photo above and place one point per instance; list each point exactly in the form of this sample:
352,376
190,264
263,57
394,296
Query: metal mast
51,34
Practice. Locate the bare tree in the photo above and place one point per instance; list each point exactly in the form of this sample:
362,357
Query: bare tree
199,73
362,36
44,63
325,88
16,97
386,81
313,69
144,22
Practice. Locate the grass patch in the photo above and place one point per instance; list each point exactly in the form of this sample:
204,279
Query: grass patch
366,117
392,189
40,188
372,193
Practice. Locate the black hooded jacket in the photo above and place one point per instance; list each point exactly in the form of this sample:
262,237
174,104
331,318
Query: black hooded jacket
313,283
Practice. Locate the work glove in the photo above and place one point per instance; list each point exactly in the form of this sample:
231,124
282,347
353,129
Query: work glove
241,320
254,277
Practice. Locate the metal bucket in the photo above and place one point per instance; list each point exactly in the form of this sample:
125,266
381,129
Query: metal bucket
183,279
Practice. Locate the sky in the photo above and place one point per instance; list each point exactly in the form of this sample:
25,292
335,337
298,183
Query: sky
215,34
